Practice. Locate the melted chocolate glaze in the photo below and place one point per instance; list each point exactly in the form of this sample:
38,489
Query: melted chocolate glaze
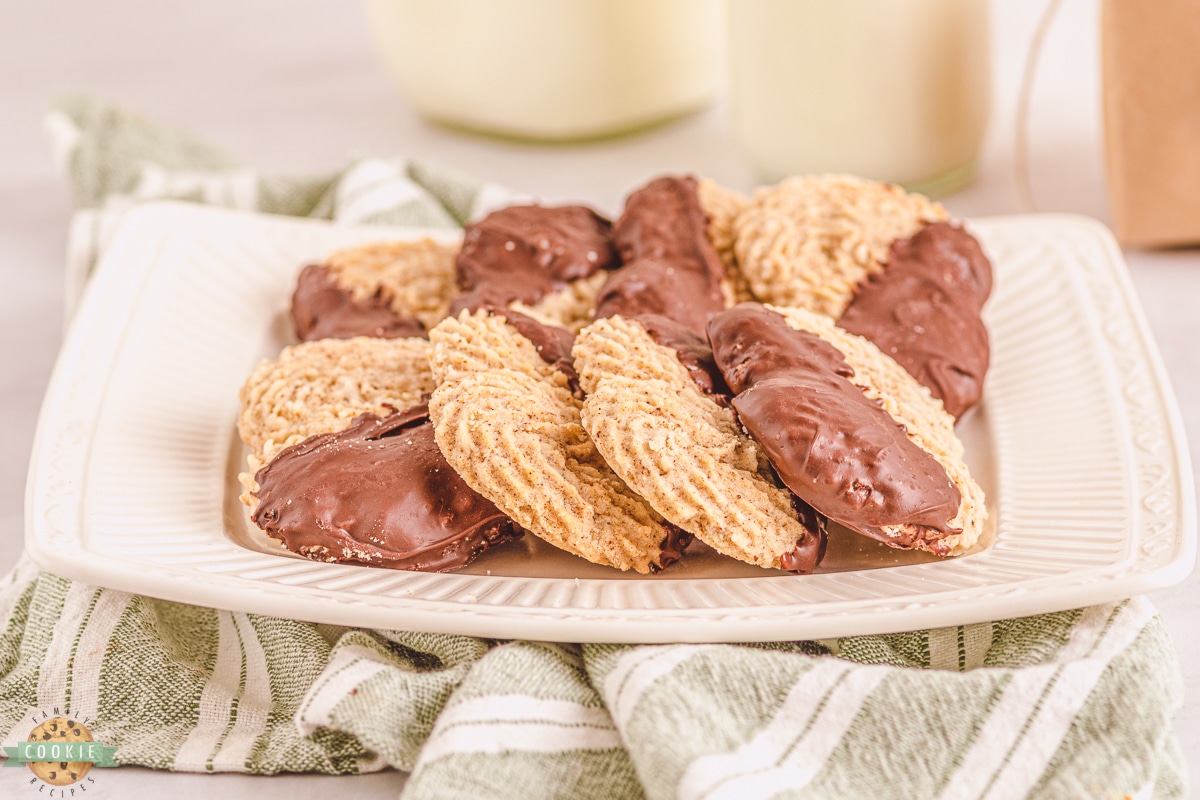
923,311
672,547
829,443
671,268
692,350
321,309
525,252
810,549
379,493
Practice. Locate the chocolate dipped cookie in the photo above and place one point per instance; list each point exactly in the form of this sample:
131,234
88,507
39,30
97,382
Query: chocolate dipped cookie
847,429
669,265
886,264
809,241
380,493
343,464
546,262
384,289
321,386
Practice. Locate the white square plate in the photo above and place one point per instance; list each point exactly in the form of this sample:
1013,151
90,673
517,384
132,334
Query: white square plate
133,479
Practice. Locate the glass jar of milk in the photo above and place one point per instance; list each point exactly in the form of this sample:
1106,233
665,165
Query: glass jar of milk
894,90
551,69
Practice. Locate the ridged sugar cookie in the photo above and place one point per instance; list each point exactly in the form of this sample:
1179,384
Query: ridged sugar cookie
684,452
509,424
809,241
722,207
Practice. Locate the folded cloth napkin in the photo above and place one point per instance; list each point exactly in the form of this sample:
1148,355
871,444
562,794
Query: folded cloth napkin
1074,704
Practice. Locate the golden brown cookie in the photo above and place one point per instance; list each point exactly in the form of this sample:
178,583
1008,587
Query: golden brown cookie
415,278
509,424
809,241
722,207
678,448
321,386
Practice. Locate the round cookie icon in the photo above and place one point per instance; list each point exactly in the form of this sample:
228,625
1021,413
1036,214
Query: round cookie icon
54,731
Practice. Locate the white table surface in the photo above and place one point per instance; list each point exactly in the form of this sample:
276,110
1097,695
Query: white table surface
296,87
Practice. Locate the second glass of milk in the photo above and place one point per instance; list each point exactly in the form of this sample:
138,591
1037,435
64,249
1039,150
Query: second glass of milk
894,90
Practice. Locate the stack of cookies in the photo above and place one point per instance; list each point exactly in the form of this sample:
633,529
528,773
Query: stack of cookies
742,371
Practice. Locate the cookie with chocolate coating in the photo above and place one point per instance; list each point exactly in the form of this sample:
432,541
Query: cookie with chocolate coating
682,450
848,429
343,466
509,423
320,387
378,493
888,265
670,267
925,311
386,289
810,240
547,262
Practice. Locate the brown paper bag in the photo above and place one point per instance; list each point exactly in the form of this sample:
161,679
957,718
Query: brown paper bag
1151,70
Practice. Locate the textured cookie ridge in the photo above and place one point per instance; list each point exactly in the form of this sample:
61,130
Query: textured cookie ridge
678,448
722,207
481,342
321,386
510,426
415,277
923,417
809,241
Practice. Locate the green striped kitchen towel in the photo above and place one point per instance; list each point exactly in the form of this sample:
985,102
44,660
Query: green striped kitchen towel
1075,704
